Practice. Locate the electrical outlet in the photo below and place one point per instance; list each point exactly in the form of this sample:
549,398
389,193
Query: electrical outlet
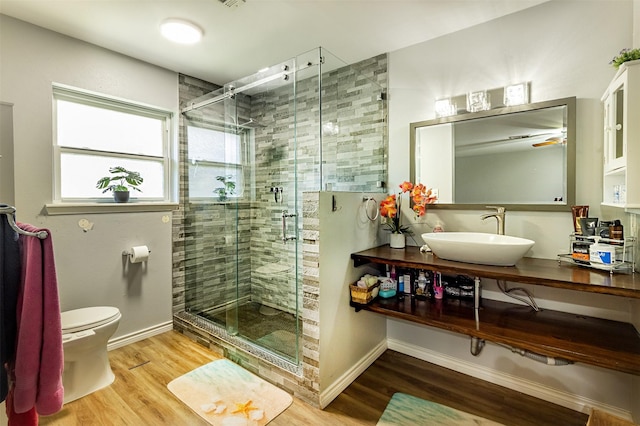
435,192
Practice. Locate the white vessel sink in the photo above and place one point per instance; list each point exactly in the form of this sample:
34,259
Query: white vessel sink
478,247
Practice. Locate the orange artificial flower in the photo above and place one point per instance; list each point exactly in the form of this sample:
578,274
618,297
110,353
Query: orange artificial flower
390,206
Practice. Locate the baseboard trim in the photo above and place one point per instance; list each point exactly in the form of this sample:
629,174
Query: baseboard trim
136,336
351,375
564,399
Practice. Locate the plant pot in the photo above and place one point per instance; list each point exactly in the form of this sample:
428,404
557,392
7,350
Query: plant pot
397,241
121,196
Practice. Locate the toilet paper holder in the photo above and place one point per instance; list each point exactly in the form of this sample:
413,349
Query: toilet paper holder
137,254
128,252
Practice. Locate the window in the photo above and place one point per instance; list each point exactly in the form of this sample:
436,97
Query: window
214,154
93,133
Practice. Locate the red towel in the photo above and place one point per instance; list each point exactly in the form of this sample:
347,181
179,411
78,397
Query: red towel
30,418
39,361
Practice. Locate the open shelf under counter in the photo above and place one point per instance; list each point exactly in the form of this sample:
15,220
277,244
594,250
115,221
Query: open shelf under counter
546,272
601,342
578,338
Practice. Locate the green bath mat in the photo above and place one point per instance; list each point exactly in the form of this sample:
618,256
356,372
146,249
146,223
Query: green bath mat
223,393
407,410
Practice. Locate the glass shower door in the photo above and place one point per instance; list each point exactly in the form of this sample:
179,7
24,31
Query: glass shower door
268,249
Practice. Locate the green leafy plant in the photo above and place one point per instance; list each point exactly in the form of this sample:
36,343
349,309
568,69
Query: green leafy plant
625,55
124,179
228,188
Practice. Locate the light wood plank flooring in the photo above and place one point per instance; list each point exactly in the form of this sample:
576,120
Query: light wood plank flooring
139,395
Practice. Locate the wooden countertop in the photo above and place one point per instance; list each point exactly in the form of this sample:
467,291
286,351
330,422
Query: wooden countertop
547,272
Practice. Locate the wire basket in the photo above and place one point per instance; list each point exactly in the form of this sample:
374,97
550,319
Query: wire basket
364,295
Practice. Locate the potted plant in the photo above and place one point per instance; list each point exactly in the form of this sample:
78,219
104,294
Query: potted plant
625,55
124,179
390,210
228,188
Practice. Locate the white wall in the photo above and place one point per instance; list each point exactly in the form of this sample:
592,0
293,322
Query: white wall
349,340
563,48
6,154
89,265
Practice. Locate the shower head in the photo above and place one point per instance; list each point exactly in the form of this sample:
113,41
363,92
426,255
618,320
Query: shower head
251,124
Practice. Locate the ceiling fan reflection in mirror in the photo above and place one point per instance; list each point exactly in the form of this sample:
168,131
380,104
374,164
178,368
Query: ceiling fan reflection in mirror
554,140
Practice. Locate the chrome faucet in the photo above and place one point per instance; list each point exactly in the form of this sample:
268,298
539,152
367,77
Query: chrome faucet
499,215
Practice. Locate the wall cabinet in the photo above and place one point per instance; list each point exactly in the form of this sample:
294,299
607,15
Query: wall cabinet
621,167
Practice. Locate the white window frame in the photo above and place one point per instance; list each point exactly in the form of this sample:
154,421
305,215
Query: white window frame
67,93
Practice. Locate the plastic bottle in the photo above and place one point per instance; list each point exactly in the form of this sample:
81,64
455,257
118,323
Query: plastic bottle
408,284
438,289
401,287
422,284
393,273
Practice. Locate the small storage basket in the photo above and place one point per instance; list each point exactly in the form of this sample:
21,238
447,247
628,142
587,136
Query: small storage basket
364,295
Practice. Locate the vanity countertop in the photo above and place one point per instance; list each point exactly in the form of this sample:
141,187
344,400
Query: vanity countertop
547,272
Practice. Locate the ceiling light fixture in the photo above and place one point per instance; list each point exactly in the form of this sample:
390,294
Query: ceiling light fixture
181,31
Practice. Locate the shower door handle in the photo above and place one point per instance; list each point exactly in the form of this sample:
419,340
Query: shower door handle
285,215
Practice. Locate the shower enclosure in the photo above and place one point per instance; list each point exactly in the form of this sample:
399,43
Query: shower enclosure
250,150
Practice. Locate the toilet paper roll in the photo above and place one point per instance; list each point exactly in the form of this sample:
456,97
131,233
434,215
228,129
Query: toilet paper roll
139,254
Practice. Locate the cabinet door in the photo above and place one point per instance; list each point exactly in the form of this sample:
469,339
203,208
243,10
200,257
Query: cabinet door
614,140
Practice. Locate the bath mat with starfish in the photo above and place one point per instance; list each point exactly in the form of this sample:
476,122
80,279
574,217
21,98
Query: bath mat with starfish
223,393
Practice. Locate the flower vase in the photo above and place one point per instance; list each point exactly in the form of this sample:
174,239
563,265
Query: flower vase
397,241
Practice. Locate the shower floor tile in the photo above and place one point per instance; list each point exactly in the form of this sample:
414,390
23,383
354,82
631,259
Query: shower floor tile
268,327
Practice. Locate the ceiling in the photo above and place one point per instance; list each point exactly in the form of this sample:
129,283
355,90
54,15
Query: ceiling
258,33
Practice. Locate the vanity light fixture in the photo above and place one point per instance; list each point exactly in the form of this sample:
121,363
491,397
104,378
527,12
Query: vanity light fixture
181,31
445,108
478,101
516,94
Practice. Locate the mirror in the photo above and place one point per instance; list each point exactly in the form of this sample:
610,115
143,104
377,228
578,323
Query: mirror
520,157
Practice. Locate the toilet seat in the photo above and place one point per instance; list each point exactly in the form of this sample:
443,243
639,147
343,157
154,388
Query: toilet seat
88,318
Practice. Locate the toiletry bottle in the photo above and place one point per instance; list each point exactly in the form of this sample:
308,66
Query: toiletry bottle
438,228
616,232
421,290
401,287
409,284
438,289
392,274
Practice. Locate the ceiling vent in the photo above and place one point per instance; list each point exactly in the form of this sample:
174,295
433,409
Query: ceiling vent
232,3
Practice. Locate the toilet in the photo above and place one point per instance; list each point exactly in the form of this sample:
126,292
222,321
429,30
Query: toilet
85,333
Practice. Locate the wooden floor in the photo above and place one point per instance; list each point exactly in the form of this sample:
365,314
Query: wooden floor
139,395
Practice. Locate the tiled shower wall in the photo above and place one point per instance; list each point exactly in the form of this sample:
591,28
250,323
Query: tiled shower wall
353,159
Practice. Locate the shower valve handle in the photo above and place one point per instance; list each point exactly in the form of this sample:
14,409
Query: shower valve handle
285,215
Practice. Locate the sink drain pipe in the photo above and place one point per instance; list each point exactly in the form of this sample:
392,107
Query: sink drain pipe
477,344
549,360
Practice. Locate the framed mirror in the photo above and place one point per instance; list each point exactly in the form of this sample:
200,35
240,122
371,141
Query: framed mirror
520,157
